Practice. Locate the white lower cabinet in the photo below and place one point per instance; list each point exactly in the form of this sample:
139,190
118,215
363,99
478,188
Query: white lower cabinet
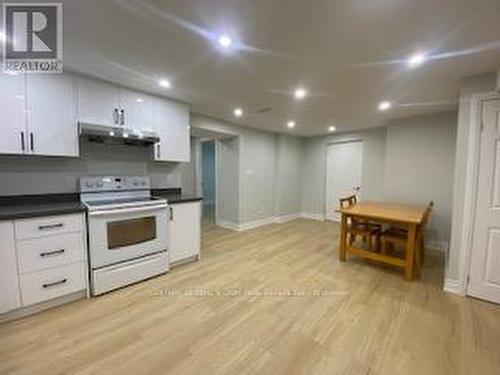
10,296
41,259
52,283
185,222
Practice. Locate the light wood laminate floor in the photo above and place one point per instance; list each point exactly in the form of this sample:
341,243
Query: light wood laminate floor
273,300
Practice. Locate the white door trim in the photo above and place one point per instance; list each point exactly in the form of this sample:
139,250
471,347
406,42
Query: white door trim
471,187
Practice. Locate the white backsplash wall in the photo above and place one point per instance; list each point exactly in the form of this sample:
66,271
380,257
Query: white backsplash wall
38,175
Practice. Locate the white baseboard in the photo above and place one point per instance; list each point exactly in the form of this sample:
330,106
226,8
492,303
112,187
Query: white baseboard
312,216
453,286
257,223
286,218
227,225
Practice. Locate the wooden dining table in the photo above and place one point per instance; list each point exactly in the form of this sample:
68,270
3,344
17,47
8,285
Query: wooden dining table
403,215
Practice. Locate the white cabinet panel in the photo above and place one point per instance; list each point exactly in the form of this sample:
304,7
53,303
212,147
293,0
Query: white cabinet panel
48,226
13,118
45,285
184,230
171,121
52,122
98,102
136,110
50,252
9,285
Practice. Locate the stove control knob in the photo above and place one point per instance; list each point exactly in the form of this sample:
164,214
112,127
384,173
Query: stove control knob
100,184
136,183
143,183
89,184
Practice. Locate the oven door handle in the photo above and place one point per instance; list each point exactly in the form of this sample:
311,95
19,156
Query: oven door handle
130,210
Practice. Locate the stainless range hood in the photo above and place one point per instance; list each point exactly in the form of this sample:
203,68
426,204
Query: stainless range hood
117,134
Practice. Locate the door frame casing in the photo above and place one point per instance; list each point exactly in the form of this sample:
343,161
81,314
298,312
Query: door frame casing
471,189
334,143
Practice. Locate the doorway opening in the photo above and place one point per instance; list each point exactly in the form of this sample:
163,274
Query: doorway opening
208,179
344,167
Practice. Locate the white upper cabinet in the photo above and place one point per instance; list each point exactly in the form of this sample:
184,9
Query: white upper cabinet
136,110
98,102
52,121
38,115
10,298
13,119
171,121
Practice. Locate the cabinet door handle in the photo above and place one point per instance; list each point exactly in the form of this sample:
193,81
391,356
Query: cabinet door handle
50,226
50,253
60,282
115,116
171,213
23,145
158,151
32,142
122,117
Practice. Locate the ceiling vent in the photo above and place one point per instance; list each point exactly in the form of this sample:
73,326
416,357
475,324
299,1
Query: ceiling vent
264,110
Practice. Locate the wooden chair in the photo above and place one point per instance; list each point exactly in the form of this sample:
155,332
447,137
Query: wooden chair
398,236
367,231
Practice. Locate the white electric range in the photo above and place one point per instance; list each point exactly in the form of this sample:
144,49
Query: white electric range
127,231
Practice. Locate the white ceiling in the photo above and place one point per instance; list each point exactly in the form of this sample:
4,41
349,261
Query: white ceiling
349,54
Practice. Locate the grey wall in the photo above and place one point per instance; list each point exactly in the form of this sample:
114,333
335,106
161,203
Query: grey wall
228,180
257,174
469,87
419,165
288,185
38,175
256,168
314,167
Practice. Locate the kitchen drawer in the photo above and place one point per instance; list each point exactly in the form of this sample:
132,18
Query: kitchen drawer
49,252
48,226
57,282
113,277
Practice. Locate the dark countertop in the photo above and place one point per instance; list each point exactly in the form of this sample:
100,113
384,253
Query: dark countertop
28,206
175,195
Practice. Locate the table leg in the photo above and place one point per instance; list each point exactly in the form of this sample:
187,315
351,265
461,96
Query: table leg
410,251
343,238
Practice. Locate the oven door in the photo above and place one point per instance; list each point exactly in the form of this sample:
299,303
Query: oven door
119,235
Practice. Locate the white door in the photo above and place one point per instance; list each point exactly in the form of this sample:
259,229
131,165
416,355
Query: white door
98,102
343,174
52,120
171,121
10,298
184,230
485,263
13,139
136,110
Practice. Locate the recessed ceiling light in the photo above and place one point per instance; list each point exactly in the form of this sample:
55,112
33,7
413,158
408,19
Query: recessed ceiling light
416,59
300,93
384,106
332,128
238,112
139,100
290,124
225,41
165,83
